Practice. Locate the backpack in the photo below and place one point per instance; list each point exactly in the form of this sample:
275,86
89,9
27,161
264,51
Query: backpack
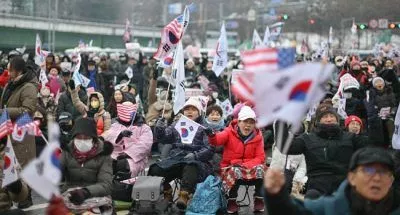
147,195
208,199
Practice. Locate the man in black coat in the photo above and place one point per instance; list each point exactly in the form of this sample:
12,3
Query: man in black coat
327,151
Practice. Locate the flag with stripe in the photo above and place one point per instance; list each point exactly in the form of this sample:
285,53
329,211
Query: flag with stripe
260,60
25,125
5,124
172,34
126,111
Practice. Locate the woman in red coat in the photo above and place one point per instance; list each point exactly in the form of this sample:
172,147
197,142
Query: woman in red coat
243,159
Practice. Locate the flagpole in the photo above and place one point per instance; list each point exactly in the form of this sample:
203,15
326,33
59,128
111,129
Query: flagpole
44,138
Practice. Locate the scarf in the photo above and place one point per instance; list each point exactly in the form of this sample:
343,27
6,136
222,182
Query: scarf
361,206
216,126
247,138
82,157
328,131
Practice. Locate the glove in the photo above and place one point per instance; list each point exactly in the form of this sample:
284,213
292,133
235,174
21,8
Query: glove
190,157
71,84
161,123
124,133
78,196
122,156
209,132
15,187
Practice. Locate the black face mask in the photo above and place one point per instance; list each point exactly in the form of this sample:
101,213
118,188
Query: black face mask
66,127
92,112
356,71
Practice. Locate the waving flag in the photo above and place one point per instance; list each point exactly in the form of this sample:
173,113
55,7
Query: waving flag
10,165
221,56
330,39
172,34
179,76
43,77
260,60
256,43
129,72
5,124
44,173
24,124
187,129
304,47
396,134
267,36
127,34
276,30
167,61
127,112
40,55
293,90
78,78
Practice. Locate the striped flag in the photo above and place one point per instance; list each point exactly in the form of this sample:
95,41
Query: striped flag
5,124
25,122
126,111
260,60
172,34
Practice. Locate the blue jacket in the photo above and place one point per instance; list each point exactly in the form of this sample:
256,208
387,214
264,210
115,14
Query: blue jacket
335,204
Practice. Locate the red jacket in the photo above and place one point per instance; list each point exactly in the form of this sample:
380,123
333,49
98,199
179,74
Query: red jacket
248,154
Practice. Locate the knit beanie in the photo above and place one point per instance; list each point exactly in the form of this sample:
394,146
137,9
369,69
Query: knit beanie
351,118
85,126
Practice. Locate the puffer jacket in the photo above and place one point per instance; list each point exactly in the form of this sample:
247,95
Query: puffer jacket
102,117
94,174
378,100
248,153
137,146
65,103
327,151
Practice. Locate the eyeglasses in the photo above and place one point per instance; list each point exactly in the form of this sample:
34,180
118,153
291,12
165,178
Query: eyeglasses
372,171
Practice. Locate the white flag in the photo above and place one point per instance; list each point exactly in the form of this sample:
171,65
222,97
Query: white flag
267,36
293,91
342,108
38,49
10,165
330,40
179,76
18,134
187,129
276,30
256,43
43,174
129,72
221,55
396,136
85,81
227,108
78,78
203,101
43,77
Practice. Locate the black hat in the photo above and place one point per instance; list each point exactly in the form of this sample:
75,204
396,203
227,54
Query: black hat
91,62
325,109
368,155
85,126
64,117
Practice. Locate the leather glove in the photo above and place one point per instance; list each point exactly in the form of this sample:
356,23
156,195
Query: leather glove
124,133
190,157
122,156
78,196
71,84
15,187
209,132
161,123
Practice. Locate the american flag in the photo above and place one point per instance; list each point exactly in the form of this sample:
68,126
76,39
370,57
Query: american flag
5,124
126,112
26,122
260,60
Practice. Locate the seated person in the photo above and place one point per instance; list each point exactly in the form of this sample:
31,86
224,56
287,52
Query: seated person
189,162
14,192
243,157
132,140
86,165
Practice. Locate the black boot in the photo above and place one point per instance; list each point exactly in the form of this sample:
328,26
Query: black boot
27,202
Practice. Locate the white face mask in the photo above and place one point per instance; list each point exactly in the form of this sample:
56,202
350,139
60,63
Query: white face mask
83,145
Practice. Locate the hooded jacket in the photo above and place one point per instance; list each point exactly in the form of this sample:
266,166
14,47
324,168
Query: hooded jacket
102,117
248,154
94,174
20,96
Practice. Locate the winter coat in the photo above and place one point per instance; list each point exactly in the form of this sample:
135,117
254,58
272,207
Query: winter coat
65,103
390,77
56,85
46,108
137,146
200,147
248,154
378,100
102,117
94,174
327,152
6,197
338,203
19,97
297,163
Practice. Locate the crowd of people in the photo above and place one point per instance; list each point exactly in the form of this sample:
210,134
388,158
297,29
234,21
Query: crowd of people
337,163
